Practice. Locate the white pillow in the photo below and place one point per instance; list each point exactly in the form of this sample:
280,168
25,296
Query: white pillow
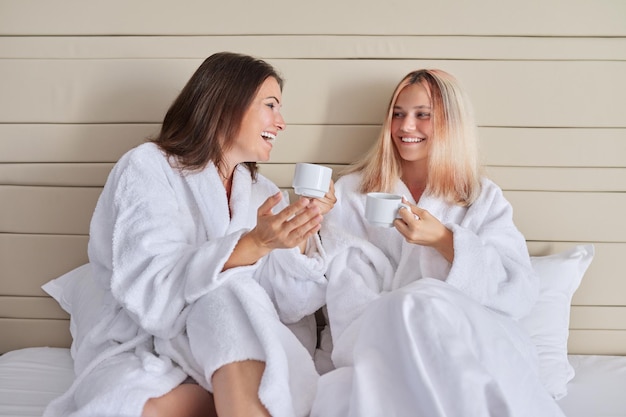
548,321
61,288
81,297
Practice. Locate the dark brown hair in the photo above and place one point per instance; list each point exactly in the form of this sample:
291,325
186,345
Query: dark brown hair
206,116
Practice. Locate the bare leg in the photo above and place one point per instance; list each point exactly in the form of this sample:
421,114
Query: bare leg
236,389
186,400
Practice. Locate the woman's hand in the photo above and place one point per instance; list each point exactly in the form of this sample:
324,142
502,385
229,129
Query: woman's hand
291,227
420,227
287,229
327,202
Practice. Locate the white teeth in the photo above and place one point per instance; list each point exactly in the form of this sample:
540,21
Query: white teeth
268,135
411,140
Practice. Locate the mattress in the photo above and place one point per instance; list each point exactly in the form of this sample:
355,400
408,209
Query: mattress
31,377
598,388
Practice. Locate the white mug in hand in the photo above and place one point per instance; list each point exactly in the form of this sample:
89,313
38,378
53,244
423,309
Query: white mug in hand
381,209
311,180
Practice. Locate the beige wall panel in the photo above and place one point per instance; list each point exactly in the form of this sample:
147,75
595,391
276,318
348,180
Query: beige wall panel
597,342
107,143
318,143
71,175
90,91
317,46
568,216
559,179
604,283
554,147
31,307
342,92
186,17
523,94
602,318
21,333
282,174
509,178
553,133
29,261
323,143
539,215
70,143
48,210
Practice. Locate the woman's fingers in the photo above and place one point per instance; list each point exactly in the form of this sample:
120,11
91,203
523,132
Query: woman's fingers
420,227
265,209
327,202
292,209
410,213
289,227
303,224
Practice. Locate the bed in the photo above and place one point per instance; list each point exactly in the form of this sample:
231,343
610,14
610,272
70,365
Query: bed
586,385
31,377
76,115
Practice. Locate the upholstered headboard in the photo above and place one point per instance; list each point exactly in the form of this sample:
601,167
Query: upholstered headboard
550,102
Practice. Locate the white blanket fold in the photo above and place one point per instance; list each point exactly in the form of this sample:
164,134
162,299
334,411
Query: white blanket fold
427,350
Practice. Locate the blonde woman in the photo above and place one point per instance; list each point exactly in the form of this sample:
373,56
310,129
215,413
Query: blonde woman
423,314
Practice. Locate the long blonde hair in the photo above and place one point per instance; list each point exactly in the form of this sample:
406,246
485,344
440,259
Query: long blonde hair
453,168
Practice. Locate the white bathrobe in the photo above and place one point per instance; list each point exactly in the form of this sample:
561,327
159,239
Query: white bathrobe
158,243
417,336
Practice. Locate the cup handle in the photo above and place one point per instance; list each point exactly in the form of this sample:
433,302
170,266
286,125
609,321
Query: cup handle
415,216
406,206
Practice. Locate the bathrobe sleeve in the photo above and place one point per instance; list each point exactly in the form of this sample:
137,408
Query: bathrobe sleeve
491,261
145,223
358,271
294,281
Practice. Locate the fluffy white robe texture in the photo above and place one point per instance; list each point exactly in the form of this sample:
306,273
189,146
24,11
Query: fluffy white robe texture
158,242
417,336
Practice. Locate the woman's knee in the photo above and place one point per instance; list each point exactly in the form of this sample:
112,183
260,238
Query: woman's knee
186,400
151,409
219,299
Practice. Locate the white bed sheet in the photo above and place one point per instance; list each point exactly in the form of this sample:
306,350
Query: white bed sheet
30,378
598,388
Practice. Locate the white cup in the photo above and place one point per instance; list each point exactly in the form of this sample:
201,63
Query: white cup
381,209
311,180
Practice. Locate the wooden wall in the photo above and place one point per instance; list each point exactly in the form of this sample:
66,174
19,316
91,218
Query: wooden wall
81,82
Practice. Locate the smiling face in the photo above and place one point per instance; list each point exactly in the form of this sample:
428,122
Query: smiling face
411,125
259,126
